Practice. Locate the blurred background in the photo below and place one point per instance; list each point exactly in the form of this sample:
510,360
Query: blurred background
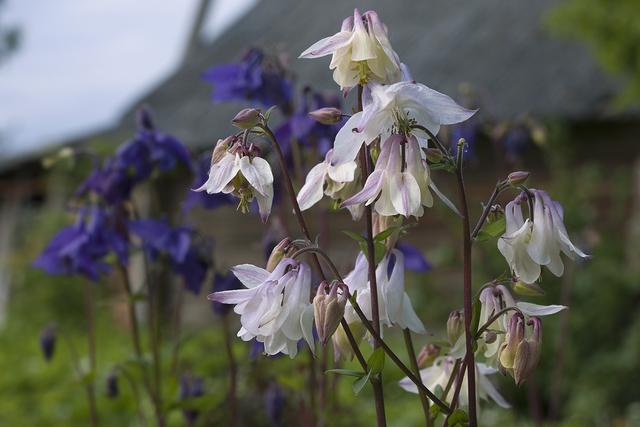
557,83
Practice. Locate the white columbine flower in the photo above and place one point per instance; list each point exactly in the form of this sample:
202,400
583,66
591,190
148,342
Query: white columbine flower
237,169
395,307
394,109
527,244
361,52
395,188
494,299
275,308
338,182
439,373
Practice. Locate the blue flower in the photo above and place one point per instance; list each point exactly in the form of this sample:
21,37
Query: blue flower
414,260
135,161
257,78
224,282
80,249
468,130
189,258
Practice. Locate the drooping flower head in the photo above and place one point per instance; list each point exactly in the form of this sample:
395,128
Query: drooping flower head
237,168
439,373
394,303
258,78
530,243
361,52
274,308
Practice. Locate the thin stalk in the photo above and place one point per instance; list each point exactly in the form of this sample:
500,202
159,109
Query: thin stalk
75,361
177,326
233,373
373,285
136,395
452,377
89,311
466,234
487,208
408,342
456,392
154,335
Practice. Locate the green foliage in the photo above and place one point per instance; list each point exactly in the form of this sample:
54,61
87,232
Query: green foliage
611,30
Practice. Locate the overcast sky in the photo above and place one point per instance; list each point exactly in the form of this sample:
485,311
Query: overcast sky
83,62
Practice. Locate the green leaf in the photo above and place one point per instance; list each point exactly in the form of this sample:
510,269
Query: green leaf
492,229
376,361
267,114
355,236
475,316
347,372
359,384
458,417
435,410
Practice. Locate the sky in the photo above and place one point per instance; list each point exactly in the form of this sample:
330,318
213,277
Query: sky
82,63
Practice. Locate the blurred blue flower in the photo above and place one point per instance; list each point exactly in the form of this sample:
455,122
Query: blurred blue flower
202,198
274,402
414,260
225,282
468,130
255,78
135,161
80,249
191,387
515,141
48,342
305,130
189,257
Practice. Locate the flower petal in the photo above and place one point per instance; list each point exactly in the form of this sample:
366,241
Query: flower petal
250,275
539,310
327,45
312,190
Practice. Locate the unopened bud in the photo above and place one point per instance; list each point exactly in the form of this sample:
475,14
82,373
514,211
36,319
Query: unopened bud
382,223
455,326
427,355
434,155
221,149
277,253
327,115
495,213
517,178
112,386
515,335
328,311
490,337
48,342
341,345
528,353
247,118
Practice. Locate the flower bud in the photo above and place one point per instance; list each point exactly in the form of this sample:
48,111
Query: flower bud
221,149
247,118
490,337
434,155
509,348
427,355
341,345
495,213
517,178
382,223
528,353
278,252
327,115
48,342
112,386
455,326
328,311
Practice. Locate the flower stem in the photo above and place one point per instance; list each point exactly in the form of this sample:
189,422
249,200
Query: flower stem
500,186
466,234
408,342
233,373
91,341
373,285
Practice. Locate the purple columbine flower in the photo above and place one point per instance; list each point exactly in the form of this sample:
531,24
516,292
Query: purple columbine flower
80,249
225,282
274,403
135,161
414,259
257,78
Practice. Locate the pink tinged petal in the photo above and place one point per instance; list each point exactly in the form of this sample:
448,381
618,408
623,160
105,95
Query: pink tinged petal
250,275
384,205
439,105
393,292
235,296
221,174
539,310
405,194
264,203
540,245
369,192
347,142
312,190
258,173
362,47
343,173
327,45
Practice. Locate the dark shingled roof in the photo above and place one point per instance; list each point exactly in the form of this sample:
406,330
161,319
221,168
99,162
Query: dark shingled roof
500,48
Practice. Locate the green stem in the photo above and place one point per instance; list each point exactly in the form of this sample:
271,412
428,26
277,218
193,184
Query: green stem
408,342
89,305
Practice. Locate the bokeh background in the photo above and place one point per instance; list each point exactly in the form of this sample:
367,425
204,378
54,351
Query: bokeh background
558,88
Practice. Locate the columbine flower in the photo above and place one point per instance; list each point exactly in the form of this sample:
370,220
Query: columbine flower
529,244
439,373
397,188
275,307
395,305
337,182
519,353
237,169
395,109
361,52
494,299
